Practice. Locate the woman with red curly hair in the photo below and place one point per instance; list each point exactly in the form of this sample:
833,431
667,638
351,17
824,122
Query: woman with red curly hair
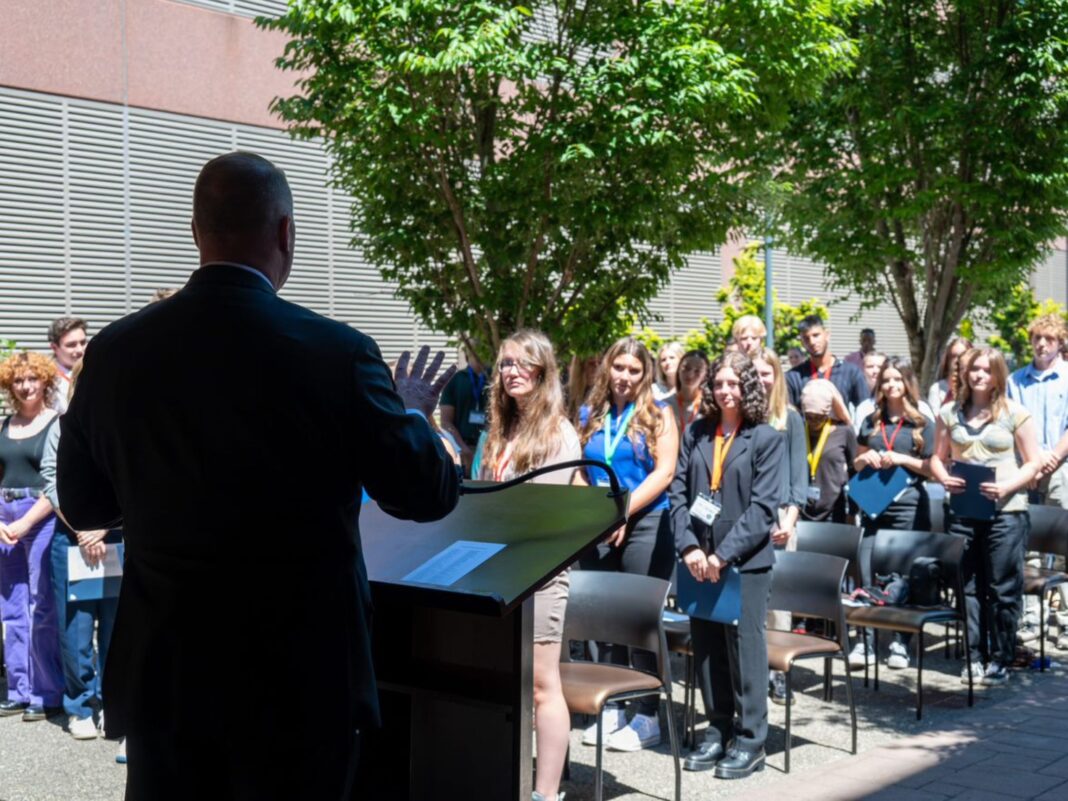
27,604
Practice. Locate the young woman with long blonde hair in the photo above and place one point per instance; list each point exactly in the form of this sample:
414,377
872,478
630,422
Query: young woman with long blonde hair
982,425
638,438
528,429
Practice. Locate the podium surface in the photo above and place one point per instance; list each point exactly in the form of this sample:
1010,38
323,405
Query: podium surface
454,663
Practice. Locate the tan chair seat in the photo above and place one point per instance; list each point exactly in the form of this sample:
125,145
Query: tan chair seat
897,618
588,685
1038,579
785,646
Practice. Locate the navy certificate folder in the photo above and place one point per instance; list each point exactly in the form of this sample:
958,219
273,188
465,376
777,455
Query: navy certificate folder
874,490
720,601
971,503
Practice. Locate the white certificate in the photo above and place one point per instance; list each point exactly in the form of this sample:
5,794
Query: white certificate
453,563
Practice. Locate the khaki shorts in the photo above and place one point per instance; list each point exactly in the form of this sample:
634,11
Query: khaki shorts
550,604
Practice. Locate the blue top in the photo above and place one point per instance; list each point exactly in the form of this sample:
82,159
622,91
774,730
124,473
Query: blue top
631,464
1045,396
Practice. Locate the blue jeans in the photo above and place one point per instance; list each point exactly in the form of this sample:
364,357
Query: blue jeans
83,674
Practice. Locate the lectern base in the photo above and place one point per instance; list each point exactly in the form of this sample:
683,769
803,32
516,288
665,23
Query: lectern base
456,691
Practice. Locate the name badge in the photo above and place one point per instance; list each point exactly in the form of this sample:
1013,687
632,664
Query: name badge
477,418
813,493
603,482
705,509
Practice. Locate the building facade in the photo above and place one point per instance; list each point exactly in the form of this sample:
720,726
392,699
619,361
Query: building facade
108,108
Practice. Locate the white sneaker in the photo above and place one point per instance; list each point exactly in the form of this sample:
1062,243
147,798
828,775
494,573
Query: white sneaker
81,728
859,656
120,755
643,731
100,723
899,656
613,718
977,673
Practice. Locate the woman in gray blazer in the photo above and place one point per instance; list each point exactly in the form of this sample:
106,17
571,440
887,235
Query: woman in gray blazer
724,505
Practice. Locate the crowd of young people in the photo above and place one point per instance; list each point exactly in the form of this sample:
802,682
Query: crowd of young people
721,459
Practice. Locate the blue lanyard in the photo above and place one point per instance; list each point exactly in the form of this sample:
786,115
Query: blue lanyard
477,385
610,442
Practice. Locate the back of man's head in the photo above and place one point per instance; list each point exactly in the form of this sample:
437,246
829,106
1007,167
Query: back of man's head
239,200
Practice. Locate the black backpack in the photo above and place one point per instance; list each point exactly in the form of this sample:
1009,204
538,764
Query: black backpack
925,582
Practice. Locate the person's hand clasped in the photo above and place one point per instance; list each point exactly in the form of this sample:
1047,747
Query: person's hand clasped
954,485
697,563
868,459
994,490
91,537
1050,463
5,535
780,535
715,565
94,553
891,459
418,388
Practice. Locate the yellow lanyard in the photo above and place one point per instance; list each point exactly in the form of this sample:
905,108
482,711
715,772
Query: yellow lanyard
723,447
815,455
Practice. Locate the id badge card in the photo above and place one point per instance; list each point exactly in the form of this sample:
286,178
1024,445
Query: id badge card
705,509
813,493
604,482
477,418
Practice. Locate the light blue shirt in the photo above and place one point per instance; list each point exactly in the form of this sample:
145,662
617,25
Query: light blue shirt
1045,396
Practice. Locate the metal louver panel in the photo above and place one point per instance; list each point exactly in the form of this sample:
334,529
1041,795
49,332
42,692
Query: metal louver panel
244,8
98,200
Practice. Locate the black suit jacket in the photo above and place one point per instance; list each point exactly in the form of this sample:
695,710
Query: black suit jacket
230,432
750,495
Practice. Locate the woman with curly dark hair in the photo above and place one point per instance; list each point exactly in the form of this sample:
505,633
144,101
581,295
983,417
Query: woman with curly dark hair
623,426
724,505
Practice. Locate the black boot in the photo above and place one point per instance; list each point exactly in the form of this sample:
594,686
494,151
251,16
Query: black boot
739,763
706,757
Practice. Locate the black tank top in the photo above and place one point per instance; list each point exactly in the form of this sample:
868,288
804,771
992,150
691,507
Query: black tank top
20,459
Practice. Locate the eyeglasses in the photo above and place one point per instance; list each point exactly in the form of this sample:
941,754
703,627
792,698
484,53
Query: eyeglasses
522,365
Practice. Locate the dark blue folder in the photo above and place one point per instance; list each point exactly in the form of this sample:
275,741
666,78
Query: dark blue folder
971,503
719,601
874,490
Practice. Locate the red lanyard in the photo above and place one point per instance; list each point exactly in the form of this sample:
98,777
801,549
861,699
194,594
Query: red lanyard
816,372
893,437
502,463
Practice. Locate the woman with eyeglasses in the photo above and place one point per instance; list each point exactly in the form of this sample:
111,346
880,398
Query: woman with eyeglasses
638,438
528,429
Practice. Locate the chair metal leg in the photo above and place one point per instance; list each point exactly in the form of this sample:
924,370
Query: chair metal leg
852,705
1042,632
968,662
673,738
598,778
876,660
567,764
919,675
789,704
693,701
864,634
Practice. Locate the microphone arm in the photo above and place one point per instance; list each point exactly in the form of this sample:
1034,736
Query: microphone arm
616,490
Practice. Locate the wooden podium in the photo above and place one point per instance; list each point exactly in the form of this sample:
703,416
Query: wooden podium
454,664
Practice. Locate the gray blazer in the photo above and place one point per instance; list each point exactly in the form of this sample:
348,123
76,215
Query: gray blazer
750,496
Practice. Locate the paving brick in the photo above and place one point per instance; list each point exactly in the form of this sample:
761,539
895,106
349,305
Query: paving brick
897,793
1058,768
1058,793
1005,781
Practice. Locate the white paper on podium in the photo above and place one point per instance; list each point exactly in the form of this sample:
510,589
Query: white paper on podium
449,566
78,570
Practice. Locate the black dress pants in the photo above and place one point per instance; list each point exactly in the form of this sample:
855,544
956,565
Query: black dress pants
732,667
993,582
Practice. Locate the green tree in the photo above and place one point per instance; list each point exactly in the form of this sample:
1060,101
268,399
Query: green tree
1011,318
743,294
933,176
548,167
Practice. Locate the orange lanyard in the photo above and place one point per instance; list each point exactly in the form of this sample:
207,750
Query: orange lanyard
723,447
691,415
893,437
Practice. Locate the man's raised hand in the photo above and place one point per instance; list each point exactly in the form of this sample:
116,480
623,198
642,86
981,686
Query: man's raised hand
418,387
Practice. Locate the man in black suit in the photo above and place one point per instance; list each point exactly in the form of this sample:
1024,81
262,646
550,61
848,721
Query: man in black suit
229,433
